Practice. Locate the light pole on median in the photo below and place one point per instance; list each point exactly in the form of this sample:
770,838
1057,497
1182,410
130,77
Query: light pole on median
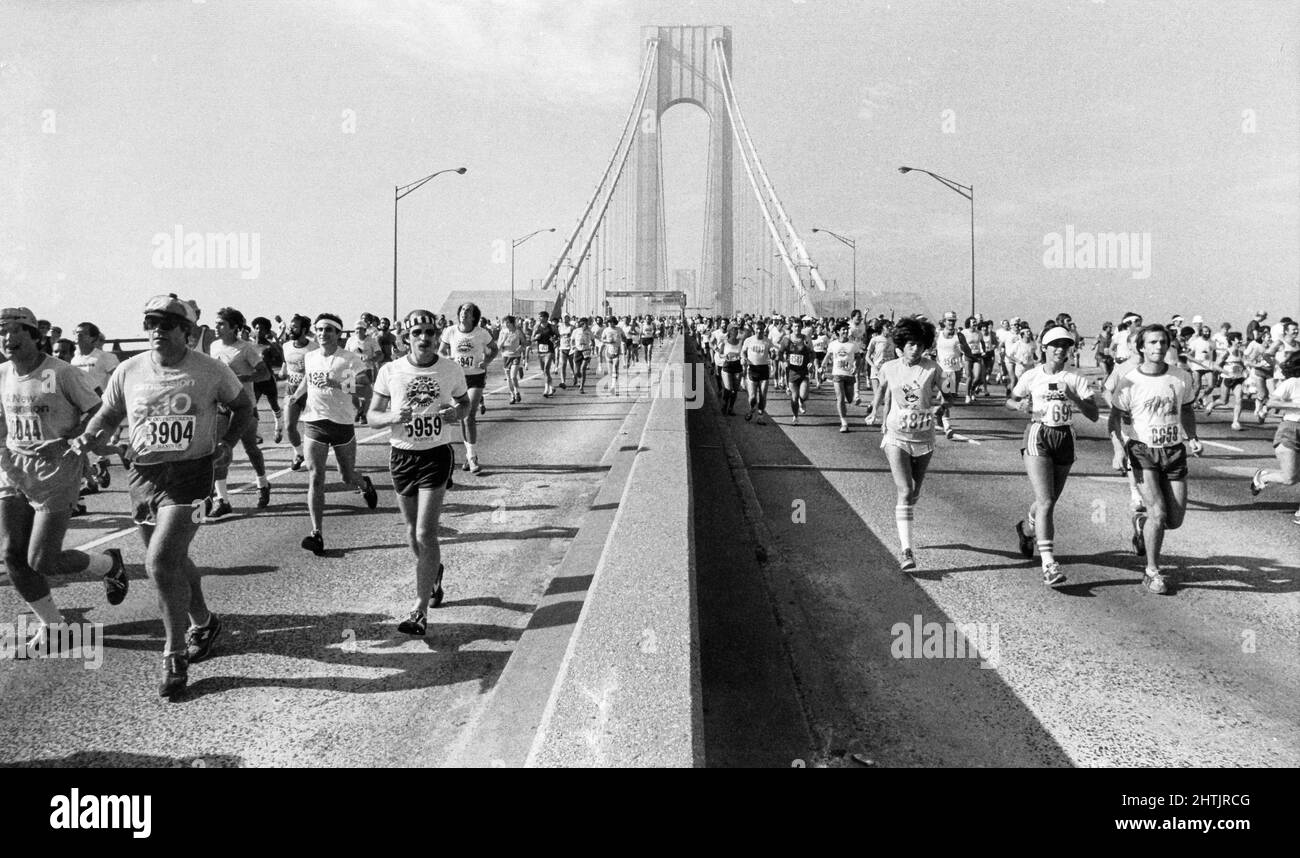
513,244
854,245
967,191
398,193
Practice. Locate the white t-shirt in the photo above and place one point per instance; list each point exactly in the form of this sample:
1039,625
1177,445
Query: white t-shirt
949,351
294,357
914,392
427,390
98,367
843,358
757,351
1048,394
46,404
1152,404
1289,390
331,383
468,350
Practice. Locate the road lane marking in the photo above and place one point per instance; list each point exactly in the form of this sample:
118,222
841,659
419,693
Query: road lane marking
1222,446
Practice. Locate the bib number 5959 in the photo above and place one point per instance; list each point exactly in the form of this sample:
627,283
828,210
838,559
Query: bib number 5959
426,426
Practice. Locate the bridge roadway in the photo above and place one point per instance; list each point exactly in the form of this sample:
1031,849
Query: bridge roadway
310,669
1096,672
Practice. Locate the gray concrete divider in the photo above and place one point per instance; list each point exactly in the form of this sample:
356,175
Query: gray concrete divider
628,690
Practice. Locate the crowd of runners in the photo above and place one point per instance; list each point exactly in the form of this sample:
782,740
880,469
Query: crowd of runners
909,375
171,416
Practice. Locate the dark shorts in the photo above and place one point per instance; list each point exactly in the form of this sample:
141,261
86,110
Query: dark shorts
577,356
507,364
269,388
1288,435
845,384
819,356
328,432
647,341
732,367
1170,461
475,381
1052,442
1230,383
421,469
759,372
153,487
795,376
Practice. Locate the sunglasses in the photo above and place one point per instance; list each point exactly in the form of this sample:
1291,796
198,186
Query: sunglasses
160,323
424,332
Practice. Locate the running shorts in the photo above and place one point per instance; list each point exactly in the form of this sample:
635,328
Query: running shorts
328,432
1230,383
647,341
819,357
581,354
1288,435
915,449
48,485
732,367
845,384
475,381
510,363
414,470
795,376
153,487
1170,461
269,388
759,372
1053,442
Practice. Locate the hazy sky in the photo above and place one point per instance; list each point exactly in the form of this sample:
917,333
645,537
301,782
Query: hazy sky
293,121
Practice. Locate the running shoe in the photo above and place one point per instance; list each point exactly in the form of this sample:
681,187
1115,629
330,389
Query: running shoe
482,407
750,415
415,624
363,420
474,466
759,421
436,596
101,474
89,487
297,462
199,639
263,497
844,427
1256,486
1026,541
315,543
948,432
906,562
857,401
1296,518
369,493
802,409
219,508
1236,427
1139,541
279,434
115,580
79,509
795,421
1154,582
563,386
1052,574
175,676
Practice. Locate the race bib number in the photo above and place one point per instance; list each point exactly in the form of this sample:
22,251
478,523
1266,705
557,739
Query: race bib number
951,363
466,361
1058,413
915,421
1165,436
25,430
543,348
424,426
843,365
170,433
795,360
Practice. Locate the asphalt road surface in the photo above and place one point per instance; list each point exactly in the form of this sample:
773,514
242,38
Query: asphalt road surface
1096,672
310,669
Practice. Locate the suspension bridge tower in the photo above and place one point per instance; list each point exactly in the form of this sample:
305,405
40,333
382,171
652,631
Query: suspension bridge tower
686,71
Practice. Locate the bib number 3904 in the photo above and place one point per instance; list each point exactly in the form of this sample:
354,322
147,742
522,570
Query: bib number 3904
426,426
170,433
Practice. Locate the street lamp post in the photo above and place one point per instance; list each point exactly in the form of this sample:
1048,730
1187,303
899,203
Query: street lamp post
762,297
967,191
513,244
854,245
398,193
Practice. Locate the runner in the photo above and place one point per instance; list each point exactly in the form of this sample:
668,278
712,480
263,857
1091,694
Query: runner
472,348
819,344
756,355
1232,372
510,341
245,361
1286,442
265,383
582,344
729,353
295,369
972,357
171,395
797,354
545,338
1051,392
565,333
647,329
98,365
1153,404
44,403
857,336
331,376
427,393
911,391
612,342
842,354
1102,355
365,344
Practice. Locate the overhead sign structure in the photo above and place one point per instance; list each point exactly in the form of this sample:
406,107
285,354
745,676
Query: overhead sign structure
663,297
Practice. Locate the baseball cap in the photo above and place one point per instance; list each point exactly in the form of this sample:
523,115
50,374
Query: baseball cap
1057,334
1260,314
951,314
171,305
19,315
1198,320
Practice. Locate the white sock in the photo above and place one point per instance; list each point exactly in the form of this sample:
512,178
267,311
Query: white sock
469,449
99,564
46,611
261,481
297,449
903,516
1046,547
219,486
